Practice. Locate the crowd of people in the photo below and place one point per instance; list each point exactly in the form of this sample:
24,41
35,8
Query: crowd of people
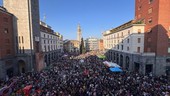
70,77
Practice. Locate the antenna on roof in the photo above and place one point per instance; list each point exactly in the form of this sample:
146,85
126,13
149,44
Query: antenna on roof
44,18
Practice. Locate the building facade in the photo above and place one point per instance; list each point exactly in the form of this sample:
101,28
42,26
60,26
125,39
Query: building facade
154,54
101,46
72,46
155,15
49,41
60,42
7,52
27,33
123,43
92,44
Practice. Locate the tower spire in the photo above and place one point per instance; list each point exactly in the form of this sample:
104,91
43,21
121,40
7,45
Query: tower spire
79,33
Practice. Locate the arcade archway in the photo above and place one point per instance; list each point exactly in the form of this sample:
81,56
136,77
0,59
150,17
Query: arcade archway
121,60
127,62
22,66
117,58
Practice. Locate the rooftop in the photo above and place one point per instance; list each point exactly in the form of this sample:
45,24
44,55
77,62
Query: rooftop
122,27
3,9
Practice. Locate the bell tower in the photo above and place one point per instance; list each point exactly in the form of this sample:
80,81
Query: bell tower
79,34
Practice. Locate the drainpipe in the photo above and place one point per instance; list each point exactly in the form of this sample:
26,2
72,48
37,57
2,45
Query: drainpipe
31,39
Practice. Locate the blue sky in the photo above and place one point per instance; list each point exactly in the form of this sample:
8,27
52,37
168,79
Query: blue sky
94,16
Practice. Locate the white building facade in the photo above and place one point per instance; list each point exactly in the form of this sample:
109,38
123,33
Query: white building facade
50,42
130,40
92,44
60,42
124,45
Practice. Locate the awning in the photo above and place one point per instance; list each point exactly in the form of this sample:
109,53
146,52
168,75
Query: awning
110,64
116,69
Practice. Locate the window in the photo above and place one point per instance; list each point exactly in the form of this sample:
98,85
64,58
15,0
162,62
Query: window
122,34
44,42
45,48
48,48
19,39
122,40
22,39
44,35
127,48
169,50
139,8
128,32
122,47
139,40
150,1
138,49
139,31
150,20
6,30
149,30
127,40
117,46
149,10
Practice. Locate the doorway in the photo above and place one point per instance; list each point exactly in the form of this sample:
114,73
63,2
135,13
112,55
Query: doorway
167,70
121,60
137,66
10,72
22,67
149,68
127,63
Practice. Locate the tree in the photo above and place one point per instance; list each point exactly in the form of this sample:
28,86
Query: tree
82,48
